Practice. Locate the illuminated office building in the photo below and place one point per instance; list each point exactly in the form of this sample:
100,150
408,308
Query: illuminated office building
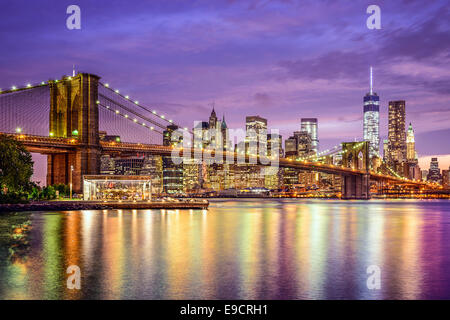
256,135
305,147
410,145
310,125
434,173
290,147
372,120
385,149
411,155
299,145
396,132
172,173
274,140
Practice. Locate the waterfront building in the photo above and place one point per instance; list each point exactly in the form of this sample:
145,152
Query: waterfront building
371,126
310,125
396,132
434,173
117,187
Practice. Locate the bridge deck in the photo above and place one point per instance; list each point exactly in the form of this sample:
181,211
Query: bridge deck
48,145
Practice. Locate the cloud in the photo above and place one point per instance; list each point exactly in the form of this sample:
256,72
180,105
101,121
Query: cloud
262,99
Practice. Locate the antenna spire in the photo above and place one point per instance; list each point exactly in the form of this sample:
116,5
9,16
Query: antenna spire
371,80
73,72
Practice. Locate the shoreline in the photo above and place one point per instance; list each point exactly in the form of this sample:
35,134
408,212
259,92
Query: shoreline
98,205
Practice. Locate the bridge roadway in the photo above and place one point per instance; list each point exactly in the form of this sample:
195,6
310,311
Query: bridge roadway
50,145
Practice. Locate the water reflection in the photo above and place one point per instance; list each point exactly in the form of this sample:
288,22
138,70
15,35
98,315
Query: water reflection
288,249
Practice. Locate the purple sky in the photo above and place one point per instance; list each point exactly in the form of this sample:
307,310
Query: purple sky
282,60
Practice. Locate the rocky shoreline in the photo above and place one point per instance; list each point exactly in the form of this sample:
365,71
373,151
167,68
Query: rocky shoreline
88,205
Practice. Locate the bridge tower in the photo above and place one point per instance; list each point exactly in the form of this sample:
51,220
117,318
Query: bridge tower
356,156
74,114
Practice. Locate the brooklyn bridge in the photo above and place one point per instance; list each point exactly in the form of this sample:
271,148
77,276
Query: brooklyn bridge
64,119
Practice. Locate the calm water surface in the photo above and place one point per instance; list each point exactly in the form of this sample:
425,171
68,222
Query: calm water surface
246,249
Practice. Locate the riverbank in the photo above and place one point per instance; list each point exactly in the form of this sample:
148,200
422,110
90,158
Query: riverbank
98,205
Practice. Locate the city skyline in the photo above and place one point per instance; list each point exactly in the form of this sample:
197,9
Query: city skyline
213,151
265,69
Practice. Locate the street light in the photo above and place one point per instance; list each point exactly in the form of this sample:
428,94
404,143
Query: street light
18,130
71,170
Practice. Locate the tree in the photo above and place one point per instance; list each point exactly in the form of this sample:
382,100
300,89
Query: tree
16,165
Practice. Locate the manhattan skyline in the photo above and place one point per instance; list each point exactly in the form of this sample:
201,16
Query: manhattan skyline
304,64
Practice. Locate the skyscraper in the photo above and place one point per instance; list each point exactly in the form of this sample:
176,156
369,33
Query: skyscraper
385,149
372,119
256,134
172,173
410,145
310,125
273,140
397,132
434,174
304,144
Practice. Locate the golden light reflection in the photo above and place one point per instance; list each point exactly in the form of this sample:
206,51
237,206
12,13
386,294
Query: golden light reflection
292,249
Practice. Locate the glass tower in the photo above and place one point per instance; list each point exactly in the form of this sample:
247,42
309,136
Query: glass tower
372,120
310,125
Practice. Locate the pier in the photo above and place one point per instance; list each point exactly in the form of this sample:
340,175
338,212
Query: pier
103,205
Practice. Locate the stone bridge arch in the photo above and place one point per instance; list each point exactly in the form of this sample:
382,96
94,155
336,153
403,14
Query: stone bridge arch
74,114
356,156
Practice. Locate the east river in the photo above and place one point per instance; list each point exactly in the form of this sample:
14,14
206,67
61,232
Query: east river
238,249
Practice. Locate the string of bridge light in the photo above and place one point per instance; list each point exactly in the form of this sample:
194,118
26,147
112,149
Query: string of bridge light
26,87
136,102
15,88
30,85
318,156
131,111
126,116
